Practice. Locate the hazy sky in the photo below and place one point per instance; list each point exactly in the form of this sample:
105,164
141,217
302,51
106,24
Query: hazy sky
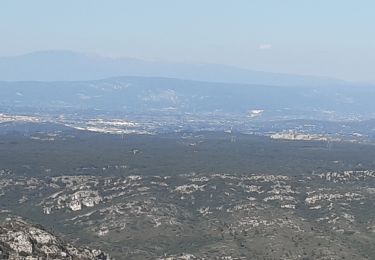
321,37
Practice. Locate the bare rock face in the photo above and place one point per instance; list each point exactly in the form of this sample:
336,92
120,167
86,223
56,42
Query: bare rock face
22,240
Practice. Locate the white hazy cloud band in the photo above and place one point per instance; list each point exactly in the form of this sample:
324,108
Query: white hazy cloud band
265,46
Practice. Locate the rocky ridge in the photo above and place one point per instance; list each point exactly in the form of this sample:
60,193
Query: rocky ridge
22,240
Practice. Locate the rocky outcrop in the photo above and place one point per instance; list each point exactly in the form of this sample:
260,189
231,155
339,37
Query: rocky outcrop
22,240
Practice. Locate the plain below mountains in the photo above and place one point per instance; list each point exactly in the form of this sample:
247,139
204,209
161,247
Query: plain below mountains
143,94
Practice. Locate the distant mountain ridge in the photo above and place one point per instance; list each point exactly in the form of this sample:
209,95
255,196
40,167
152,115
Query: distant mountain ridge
74,66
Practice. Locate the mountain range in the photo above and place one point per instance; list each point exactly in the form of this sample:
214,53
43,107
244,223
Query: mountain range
60,65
